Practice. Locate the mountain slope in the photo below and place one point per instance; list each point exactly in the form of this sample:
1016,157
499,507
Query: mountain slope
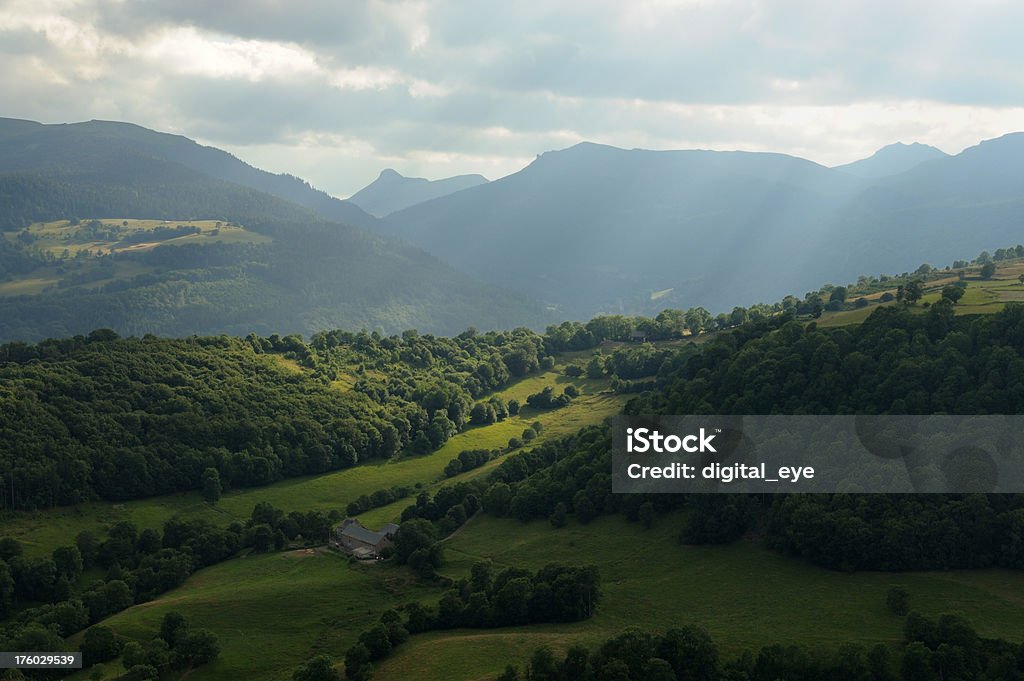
892,160
27,145
299,273
392,191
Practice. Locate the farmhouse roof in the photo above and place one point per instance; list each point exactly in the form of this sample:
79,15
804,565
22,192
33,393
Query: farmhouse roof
359,533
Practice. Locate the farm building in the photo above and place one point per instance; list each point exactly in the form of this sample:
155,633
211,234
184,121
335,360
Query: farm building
354,539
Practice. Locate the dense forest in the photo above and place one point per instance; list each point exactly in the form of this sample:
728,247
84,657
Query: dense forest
101,416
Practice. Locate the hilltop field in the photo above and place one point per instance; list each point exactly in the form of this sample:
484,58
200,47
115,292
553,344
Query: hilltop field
75,251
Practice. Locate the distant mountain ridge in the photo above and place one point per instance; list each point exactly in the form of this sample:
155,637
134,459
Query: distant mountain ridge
892,160
27,146
594,229
392,191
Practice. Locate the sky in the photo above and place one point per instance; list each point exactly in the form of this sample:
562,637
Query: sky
336,90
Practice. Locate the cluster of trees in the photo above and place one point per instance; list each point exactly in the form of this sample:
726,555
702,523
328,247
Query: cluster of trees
138,566
492,411
374,644
945,649
176,646
511,597
269,528
555,593
469,459
381,497
546,398
447,510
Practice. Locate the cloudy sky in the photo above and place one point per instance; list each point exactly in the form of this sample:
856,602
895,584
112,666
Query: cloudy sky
336,90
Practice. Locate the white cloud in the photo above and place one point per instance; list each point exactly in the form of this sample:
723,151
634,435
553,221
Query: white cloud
335,91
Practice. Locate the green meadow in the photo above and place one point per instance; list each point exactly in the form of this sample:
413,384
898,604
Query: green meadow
271,612
744,595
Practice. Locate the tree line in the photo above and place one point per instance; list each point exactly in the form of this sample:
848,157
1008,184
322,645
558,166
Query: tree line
944,649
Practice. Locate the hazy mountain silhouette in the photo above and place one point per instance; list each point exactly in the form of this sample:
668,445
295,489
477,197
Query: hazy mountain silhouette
892,160
595,228
392,191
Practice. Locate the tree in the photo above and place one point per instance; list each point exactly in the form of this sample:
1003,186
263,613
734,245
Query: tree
1020,278
838,295
953,293
377,641
497,499
357,663
542,665
99,644
697,319
173,628
987,270
910,292
898,600
68,560
583,507
320,668
211,485
132,655
411,536
691,653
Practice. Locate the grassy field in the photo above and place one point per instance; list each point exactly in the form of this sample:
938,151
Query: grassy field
743,595
62,240
272,612
43,531
983,296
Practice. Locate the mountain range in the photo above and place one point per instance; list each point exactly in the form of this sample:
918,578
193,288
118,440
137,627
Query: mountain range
594,228
586,230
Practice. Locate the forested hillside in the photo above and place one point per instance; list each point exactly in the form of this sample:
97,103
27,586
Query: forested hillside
84,148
